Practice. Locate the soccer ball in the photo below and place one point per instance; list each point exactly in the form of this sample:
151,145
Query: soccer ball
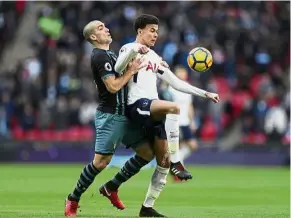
199,59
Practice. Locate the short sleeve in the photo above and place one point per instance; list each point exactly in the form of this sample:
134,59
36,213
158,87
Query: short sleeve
103,64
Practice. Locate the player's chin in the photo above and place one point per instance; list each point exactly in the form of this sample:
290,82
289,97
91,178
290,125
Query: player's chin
152,43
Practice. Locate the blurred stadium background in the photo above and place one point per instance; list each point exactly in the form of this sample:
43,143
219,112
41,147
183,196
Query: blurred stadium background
48,100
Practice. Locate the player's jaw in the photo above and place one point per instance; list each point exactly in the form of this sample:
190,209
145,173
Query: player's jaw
151,42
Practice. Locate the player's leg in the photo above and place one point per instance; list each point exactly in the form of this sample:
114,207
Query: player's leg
159,178
187,148
110,189
171,111
134,138
152,112
143,156
188,143
158,136
108,134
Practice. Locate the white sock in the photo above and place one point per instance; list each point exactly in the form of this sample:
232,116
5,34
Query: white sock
172,130
184,152
156,186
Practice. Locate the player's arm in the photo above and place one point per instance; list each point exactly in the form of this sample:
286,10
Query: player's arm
126,54
114,84
182,86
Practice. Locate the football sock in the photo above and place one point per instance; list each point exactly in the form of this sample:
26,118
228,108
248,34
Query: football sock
156,186
184,152
86,179
172,130
130,168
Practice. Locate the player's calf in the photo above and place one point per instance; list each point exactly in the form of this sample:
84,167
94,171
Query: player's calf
162,153
88,175
158,179
130,168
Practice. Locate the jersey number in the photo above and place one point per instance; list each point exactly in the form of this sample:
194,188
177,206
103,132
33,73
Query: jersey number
135,78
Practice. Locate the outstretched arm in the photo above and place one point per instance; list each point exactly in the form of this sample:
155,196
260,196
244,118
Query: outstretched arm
182,86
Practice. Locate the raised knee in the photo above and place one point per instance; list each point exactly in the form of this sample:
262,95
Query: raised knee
193,145
175,109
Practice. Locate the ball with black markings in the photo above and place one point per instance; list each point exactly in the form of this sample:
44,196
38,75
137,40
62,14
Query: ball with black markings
199,59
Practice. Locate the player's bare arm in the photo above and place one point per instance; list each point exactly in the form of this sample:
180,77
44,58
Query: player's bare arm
114,84
185,87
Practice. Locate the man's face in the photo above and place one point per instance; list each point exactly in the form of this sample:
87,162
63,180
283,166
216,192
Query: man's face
101,34
150,34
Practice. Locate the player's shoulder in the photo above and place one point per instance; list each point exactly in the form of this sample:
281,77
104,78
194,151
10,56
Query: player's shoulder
128,46
99,55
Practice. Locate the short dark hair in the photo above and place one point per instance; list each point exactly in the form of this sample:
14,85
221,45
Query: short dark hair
143,20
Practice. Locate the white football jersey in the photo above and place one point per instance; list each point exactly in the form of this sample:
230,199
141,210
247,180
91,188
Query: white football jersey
183,100
144,83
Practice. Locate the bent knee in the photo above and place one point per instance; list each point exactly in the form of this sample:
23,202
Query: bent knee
149,155
174,109
193,145
145,152
101,161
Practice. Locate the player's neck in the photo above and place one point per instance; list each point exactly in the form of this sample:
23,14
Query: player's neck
140,41
102,46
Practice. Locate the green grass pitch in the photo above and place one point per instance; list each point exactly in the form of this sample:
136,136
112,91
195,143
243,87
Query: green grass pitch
38,191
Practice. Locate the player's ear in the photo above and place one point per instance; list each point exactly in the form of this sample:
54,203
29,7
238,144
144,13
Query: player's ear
139,31
93,37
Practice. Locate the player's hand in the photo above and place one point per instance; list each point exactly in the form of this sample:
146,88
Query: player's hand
143,49
213,96
135,65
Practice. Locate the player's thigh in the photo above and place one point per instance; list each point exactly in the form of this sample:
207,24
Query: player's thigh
140,115
159,109
110,129
139,112
136,138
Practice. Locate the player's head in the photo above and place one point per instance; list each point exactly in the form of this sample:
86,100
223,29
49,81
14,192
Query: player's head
181,72
96,32
146,27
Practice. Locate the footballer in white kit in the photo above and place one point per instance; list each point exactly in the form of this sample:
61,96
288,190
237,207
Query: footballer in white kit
160,118
142,87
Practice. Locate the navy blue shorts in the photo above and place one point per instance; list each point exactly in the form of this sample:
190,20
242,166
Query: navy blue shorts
139,113
186,133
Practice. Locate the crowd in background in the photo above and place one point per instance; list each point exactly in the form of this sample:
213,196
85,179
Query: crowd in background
249,42
10,15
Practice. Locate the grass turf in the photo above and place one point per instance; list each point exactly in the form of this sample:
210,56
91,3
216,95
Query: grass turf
38,191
